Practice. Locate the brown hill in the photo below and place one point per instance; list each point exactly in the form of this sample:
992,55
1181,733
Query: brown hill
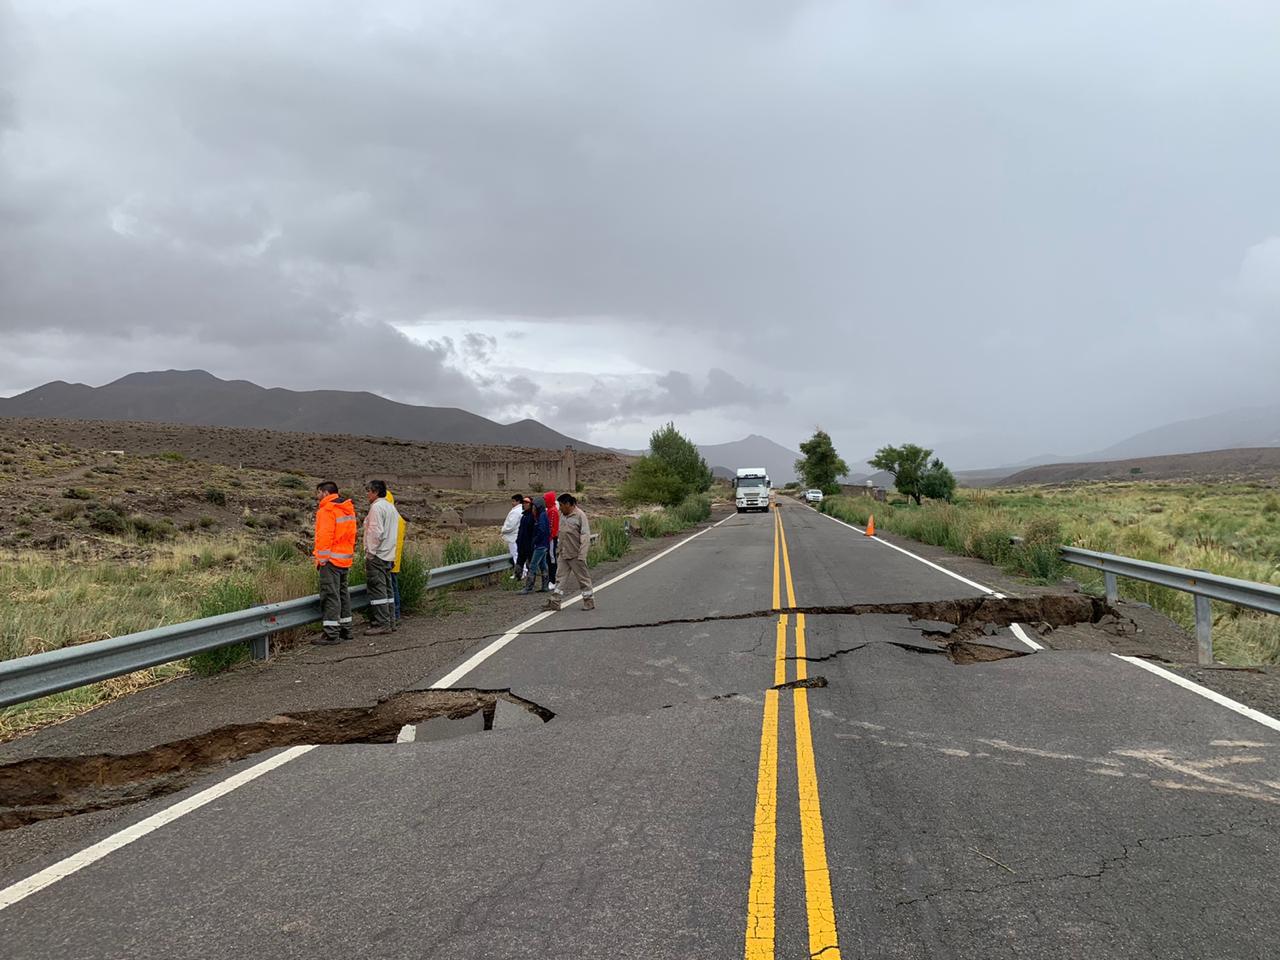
1251,463
201,399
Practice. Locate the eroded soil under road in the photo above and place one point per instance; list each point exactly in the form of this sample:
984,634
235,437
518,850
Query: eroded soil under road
44,788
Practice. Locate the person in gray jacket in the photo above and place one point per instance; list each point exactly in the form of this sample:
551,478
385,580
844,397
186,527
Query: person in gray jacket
381,530
575,543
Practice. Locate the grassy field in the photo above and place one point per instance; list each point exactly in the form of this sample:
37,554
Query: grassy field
51,601
1228,529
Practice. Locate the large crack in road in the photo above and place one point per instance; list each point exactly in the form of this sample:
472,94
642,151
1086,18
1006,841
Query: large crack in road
45,788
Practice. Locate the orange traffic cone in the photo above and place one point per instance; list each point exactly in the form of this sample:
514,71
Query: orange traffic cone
871,525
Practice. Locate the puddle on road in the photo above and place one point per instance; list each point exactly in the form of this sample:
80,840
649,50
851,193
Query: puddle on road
45,788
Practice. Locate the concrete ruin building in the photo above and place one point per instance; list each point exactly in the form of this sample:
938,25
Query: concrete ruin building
527,476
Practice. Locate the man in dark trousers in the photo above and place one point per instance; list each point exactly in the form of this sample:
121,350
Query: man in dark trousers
524,538
334,552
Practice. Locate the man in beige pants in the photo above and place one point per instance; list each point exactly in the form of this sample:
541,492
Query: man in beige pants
575,542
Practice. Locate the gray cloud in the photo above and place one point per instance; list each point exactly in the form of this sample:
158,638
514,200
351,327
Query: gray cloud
910,221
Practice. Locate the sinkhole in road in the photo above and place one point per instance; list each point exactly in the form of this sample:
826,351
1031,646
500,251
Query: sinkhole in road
45,788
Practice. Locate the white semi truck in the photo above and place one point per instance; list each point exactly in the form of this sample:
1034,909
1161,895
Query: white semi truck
751,489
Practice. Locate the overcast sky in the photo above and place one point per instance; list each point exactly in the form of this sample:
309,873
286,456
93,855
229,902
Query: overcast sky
1000,228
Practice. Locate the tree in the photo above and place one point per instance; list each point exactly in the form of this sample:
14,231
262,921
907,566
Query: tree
680,454
821,466
907,463
672,470
652,481
937,482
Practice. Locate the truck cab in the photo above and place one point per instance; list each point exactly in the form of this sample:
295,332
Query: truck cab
751,488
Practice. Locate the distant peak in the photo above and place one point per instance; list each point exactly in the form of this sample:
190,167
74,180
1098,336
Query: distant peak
168,376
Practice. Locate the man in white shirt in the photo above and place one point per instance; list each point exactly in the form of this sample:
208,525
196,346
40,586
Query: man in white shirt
381,531
511,530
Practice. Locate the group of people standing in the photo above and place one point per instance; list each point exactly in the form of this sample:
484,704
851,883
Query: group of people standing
335,552
547,536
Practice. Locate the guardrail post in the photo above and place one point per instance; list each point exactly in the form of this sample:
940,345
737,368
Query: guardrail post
1204,631
260,647
1113,589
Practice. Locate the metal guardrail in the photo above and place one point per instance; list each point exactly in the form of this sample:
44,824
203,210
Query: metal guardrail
41,674
1205,587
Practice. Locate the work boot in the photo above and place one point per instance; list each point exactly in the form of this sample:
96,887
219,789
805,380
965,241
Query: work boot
377,631
525,592
588,603
324,641
553,604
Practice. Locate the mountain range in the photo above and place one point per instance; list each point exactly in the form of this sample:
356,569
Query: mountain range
197,398
724,459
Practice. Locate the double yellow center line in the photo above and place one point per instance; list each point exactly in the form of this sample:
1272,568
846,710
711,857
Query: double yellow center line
762,895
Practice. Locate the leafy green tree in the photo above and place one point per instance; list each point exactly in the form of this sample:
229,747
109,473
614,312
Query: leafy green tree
908,464
680,454
937,482
652,481
821,466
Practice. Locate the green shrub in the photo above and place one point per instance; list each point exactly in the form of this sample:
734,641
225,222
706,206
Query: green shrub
612,544
174,456
655,524
291,481
215,496
237,592
652,481
1037,556
147,530
106,520
414,571
68,512
459,549
693,509
206,522
77,493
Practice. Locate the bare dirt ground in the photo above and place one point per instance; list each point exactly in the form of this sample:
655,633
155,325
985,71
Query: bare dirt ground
58,482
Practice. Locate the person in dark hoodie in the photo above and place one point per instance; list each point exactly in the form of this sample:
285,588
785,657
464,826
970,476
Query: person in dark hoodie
553,516
524,537
541,544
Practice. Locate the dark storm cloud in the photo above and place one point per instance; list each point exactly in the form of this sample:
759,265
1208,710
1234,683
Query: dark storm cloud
911,221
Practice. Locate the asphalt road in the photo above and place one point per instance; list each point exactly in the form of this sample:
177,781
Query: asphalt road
1051,805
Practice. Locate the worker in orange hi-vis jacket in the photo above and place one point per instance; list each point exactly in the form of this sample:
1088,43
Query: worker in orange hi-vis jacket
334,552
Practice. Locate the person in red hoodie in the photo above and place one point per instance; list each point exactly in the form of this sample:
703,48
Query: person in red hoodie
553,515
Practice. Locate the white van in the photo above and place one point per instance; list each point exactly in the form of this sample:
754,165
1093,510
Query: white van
751,489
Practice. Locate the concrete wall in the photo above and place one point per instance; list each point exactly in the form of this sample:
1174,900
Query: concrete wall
438,481
527,476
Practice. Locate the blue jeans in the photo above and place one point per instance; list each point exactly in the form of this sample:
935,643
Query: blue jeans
538,563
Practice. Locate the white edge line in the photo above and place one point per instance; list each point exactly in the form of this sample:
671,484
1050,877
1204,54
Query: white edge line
927,563
1240,708
1017,631
78,861
480,656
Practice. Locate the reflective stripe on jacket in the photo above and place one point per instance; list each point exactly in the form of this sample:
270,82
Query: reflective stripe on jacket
335,532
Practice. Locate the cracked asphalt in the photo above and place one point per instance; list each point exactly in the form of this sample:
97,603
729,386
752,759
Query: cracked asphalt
1063,804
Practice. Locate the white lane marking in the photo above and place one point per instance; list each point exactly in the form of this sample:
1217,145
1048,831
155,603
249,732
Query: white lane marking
913,556
480,656
1017,631
1240,708
78,861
